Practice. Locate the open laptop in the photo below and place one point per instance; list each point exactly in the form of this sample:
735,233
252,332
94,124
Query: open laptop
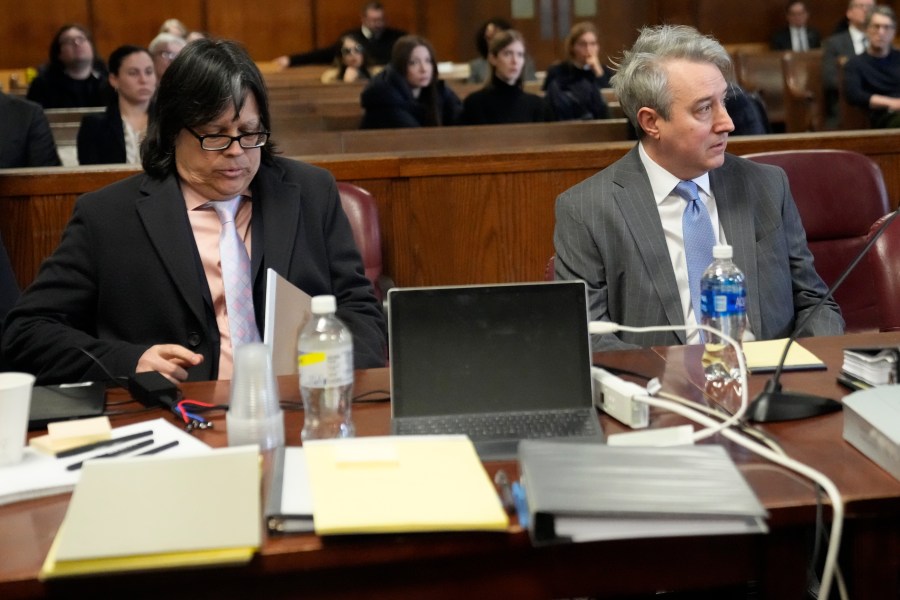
481,359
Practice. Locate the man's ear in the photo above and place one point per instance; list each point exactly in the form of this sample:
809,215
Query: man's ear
648,120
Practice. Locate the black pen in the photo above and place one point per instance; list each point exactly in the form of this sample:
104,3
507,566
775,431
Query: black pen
171,444
103,444
143,444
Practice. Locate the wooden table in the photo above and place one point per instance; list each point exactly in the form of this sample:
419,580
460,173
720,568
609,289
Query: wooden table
477,565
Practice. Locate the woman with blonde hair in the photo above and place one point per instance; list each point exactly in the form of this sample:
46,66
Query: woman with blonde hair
573,86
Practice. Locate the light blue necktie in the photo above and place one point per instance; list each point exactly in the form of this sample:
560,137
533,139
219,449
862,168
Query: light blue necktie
698,239
236,276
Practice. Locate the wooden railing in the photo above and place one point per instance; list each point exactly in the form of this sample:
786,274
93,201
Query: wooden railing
451,218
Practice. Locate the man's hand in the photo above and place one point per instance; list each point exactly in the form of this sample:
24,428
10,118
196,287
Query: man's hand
171,360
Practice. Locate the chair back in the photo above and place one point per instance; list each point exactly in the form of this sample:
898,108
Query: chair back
839,194
362,212
851,117
760,72
550,269
804,92
884,260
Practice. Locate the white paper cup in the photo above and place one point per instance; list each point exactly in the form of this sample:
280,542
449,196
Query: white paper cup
15,399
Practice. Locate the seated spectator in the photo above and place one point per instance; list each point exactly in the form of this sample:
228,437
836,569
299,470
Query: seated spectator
573,86
503,100
74,77
137,279
115,136
350,64
796,35
408,93
25,136
164,48
872,79
842,45
480,68
375,35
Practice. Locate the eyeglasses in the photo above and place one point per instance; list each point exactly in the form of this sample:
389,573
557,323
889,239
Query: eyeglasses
167,55
348,50
220,141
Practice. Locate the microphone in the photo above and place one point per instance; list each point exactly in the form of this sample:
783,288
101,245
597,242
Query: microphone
775,404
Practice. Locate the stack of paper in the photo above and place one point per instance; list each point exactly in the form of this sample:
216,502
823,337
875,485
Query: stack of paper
39,474
585,492
871,366
764,356
401,484
160,512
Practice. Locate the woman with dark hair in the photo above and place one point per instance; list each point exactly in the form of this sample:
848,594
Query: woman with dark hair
408,92
480,68
166,270
573,86
503,100
74,77
115,136
351,63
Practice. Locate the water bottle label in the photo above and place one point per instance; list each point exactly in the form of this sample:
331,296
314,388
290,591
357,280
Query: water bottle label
326,369
723,302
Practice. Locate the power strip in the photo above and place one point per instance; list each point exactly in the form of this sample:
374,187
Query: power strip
615,396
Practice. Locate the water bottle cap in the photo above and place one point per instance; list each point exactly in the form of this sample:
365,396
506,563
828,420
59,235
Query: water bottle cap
722,251
323,305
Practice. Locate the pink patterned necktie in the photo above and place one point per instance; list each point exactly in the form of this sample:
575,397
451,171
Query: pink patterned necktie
236,276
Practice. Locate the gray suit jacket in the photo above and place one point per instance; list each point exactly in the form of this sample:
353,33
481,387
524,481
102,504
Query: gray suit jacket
835,46
609,233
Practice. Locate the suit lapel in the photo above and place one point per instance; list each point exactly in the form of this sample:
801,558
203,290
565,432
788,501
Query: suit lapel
634,197
737,221
276,220
163,214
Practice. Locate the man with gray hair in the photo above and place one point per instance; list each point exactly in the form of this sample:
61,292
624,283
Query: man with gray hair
872,79
623,230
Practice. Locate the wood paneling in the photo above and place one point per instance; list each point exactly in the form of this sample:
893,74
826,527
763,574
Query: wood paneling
276,27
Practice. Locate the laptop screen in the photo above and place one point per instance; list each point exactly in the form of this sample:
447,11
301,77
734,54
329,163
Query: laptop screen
489,348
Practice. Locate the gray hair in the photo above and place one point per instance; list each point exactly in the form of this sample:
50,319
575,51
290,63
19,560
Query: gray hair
642,78
165,38
885,11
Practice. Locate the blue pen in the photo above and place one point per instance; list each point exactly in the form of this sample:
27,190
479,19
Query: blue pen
518,493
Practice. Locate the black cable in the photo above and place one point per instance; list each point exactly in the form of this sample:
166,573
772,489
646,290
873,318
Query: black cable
115,380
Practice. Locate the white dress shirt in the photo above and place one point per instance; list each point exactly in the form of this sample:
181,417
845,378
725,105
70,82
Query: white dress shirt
671,208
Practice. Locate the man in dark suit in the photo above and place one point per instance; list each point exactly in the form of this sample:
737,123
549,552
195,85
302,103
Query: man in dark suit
376,37
621,230
842,46
796,35
25,136
138,278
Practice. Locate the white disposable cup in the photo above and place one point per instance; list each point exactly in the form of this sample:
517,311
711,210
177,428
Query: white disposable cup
15,399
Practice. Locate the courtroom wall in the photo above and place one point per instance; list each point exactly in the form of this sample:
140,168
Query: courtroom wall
270,28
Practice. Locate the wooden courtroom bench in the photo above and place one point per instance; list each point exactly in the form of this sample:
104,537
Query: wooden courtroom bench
294,141
451,218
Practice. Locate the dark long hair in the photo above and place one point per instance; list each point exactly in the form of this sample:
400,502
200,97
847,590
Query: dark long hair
207,78
429,97
364,72
56,45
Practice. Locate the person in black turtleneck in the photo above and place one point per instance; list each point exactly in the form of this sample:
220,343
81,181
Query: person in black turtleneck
502,99
573,86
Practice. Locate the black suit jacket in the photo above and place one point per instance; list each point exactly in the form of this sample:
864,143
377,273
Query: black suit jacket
781,39
101,138
25,136
377,49
127,275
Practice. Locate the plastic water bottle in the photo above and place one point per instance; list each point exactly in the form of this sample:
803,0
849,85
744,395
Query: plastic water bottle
325,356
723,297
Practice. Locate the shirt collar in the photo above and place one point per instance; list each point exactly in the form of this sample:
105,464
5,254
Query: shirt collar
662,182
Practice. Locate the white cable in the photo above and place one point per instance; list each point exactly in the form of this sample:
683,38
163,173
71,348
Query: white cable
605,327
837,503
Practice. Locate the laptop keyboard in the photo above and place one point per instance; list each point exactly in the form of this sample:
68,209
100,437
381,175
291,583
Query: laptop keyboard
526,425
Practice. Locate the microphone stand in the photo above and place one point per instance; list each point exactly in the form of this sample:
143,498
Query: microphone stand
775,404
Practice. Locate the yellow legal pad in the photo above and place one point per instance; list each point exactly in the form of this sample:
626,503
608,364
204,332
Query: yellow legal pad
401,484
763,356
160,512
